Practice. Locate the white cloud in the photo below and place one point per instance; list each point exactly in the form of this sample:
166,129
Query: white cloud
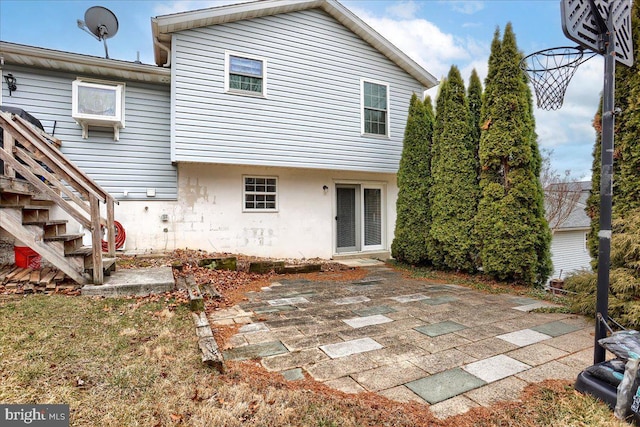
177,6
424,42
467,7
569,130
403,9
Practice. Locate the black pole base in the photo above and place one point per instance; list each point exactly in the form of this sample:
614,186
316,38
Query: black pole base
588,384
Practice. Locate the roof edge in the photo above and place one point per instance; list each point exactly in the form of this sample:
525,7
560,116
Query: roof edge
50,59
163,26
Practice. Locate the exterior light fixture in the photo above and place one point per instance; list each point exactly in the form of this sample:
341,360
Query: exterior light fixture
11,83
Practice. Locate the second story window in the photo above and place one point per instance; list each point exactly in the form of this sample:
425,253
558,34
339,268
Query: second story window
245,74
375,108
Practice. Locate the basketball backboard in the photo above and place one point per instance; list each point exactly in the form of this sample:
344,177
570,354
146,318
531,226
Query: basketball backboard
580,25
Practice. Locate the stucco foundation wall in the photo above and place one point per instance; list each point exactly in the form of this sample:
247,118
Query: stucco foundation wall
208,214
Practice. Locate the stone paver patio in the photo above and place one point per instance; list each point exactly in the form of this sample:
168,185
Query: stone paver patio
447,346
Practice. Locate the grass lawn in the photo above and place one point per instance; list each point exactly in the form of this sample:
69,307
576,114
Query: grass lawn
135,362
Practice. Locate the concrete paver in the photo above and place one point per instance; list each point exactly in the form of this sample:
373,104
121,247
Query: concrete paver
441,328
442,345
524,337
255,350
495,368
438,362
555,329
379,309
443,299
253,327
350,300
336,368
293,374
346,385
401,394
348,348
410,298
388,376
361,322
535,305
498,391
451,407
487,347
288,301
445,385
537,354
292,360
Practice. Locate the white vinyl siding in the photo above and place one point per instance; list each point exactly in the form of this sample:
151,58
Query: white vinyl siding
140,160
312,117
569,253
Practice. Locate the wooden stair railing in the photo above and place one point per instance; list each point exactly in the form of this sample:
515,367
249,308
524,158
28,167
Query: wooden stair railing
28,152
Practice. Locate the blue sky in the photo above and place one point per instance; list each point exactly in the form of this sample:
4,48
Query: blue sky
435,33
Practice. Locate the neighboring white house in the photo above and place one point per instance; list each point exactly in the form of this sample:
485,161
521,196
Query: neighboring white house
269,128
569,251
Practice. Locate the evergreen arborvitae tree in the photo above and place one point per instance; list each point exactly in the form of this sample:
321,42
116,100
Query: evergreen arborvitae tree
628,152
626,162
593,201
513,235
474,96
412,207
454,188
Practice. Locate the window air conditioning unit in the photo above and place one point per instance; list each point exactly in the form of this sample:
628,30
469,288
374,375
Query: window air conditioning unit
98,104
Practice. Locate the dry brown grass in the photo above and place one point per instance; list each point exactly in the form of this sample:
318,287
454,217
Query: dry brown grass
127,362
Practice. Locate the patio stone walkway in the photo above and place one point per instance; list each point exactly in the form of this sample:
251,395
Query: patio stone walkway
446,346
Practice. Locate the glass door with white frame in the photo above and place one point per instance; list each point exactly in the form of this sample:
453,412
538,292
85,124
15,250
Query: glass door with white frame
359,218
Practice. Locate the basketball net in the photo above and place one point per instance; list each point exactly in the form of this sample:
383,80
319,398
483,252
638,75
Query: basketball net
550,72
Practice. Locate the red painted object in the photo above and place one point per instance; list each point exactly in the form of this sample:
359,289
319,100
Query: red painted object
27,257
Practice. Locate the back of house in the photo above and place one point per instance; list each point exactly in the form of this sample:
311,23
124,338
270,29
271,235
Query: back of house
270,128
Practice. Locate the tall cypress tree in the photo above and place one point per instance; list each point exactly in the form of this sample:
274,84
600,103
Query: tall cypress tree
626,161
454,189
513,235
474,96
593,201
414,179
628,100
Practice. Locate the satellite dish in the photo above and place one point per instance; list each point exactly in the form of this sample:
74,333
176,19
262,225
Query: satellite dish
101,23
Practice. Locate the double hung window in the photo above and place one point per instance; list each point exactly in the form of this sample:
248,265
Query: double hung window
245,74
375,108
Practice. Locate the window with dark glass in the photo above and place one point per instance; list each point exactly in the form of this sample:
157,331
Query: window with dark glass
375,108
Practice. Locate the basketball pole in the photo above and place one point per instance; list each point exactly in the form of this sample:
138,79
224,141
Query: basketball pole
606,185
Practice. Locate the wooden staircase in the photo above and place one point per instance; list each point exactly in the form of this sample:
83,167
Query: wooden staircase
35,176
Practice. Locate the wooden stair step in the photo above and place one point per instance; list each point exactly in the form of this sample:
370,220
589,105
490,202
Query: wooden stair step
15,185
64,238
82,251
107,264
45,222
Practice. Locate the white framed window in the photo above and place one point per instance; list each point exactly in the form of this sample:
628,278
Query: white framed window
245,74
98,103
260,194
374,100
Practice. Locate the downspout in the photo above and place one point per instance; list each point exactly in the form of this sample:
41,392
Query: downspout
157,43
1,66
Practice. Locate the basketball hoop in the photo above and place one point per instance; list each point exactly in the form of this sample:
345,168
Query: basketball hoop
550,71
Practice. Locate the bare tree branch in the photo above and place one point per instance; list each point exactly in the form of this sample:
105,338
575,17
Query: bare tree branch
561,190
